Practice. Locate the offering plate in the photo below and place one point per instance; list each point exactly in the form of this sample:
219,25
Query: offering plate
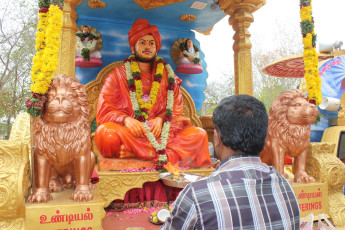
179,181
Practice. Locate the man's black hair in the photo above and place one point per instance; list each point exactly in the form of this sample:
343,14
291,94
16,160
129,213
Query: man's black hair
241,121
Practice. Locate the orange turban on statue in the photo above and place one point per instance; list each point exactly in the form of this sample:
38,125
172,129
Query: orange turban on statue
142,27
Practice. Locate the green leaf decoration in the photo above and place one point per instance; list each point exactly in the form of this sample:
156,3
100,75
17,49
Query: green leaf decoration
195,48
196,60
181,46
307,27
314,40
86,54
44,3
305,2
93,125
171,80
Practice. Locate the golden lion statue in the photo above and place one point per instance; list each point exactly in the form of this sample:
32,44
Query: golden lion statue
289,123
62,155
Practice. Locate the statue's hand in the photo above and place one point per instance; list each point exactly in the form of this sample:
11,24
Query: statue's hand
135,127
156,128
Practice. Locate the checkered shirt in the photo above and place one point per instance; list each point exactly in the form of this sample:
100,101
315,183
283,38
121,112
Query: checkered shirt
242,193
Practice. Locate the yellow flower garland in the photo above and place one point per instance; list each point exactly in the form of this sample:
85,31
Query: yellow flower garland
154,88
40,44
310,58
46,60
160,147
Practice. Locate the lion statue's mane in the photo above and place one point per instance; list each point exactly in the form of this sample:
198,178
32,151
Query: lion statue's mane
293,137
60,143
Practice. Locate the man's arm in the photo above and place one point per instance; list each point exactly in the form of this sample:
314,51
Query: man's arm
184,215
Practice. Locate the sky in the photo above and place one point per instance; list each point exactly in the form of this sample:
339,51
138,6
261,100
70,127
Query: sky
276,14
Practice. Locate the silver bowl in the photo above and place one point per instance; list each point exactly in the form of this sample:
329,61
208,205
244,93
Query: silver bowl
186,178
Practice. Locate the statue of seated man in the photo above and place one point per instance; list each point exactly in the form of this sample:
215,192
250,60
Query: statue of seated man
139,111
189,53
86,44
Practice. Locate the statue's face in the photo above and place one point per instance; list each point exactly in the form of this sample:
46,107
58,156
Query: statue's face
62,106
86,31
145,48
301,112
189,43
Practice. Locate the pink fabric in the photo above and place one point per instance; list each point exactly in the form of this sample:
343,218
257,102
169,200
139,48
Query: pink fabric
189,69
94,62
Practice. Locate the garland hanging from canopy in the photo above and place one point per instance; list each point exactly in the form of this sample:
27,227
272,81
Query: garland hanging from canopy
45,60
310,56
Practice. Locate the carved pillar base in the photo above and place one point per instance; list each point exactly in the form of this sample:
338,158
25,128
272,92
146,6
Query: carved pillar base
327,168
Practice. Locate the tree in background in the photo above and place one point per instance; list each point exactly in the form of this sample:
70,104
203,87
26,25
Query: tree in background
18,22
216,91
287,43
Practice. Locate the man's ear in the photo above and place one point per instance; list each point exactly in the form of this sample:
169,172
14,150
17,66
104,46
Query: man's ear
216,138
132,49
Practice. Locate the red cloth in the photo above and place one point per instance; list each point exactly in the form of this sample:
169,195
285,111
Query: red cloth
94,177
152,193
288,160
186,144
142,27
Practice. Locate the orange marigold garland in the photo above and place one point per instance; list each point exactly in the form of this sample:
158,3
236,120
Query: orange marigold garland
310,57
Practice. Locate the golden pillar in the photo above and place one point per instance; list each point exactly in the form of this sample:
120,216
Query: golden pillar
240,12
68,39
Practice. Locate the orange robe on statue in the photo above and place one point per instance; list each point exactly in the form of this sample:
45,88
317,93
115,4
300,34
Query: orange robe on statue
186,144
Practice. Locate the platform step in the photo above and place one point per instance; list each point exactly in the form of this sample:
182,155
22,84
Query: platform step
63,213
116,164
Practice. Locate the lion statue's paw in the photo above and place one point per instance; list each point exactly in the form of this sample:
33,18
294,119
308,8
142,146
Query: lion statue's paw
303,177
55,184
286,176
81,193
40,196
91,186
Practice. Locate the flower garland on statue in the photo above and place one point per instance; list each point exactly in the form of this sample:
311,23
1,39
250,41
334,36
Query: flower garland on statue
142,103
310,56
91,44
45,60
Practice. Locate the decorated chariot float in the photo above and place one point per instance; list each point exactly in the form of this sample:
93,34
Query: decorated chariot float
60,144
